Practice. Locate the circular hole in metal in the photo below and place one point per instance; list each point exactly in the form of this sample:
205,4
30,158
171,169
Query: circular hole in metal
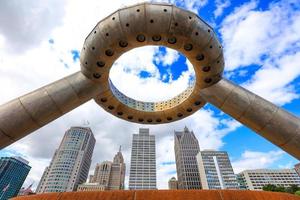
165,10
137,103
140,38
207,80
95,32
130,117
156,38
172,40
103,99
189,110
176,24
93,48
127,25
206,68
138,10
197,103
208,30
123,43
188,47
86,63
140,120
151,21
100,64
179,115
113,18
109,52
158,120
149,120
83,48
107,34
110,107
169,118
120,113
200,57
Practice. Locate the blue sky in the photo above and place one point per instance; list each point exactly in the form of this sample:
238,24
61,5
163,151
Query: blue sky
261,41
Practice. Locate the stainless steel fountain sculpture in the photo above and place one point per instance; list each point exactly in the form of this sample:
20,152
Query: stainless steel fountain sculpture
140,25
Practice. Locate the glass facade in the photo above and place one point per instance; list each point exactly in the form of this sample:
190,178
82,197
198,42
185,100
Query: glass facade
13,172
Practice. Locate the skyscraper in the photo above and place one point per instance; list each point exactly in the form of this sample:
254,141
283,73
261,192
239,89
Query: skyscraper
186,148
143,161
215,170
107,175
13,172
71,162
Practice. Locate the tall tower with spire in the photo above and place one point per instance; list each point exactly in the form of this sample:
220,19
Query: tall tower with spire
117,176
108,175
186,149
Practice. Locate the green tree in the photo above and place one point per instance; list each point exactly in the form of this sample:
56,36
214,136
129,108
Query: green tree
297,193
270,187
292,189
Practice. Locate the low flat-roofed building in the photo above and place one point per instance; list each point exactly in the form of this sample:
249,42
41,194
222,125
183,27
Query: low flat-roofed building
257,178
91,187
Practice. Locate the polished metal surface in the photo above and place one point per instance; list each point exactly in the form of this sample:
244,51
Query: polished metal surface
268,120
27,113
152,24
140,25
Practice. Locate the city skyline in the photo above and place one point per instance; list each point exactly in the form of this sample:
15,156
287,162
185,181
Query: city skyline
110,173
213,129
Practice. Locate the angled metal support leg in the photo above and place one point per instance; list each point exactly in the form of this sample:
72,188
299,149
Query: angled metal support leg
30,112
268,120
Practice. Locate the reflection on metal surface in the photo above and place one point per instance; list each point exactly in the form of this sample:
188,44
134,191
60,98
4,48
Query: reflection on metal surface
152,106
140,25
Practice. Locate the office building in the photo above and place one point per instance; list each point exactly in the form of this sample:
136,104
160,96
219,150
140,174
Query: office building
173,184
71,162
143,161
107,175
257,178
215,170
13,172
297,168
186,149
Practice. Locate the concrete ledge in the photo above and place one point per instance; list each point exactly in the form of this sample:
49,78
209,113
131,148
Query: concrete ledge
165,195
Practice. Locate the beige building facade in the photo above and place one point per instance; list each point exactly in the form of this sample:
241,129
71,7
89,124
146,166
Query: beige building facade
107,175
257,178
173,184
186,149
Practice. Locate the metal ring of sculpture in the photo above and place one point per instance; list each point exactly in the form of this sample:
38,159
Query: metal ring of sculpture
152,24
139,25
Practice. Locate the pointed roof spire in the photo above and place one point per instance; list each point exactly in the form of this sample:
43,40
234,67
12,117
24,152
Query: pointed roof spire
120,148
186,129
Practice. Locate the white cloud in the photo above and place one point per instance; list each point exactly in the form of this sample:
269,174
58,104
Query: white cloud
220,6
168,58
25,25
269,38
128,67
256,160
